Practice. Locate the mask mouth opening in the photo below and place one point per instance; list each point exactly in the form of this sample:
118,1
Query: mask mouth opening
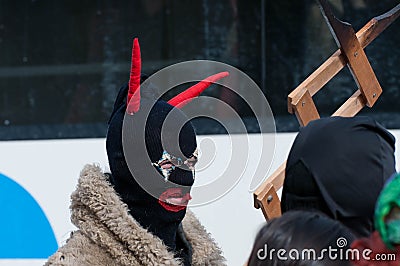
174,199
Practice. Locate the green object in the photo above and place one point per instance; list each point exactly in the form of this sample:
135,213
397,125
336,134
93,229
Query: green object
387,212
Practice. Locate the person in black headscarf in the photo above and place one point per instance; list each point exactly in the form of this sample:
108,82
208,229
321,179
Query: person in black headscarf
339,165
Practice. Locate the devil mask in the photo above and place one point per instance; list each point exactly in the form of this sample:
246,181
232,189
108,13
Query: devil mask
152,151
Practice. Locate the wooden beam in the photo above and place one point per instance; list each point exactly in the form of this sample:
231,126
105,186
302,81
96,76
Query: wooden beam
356,58
352,106
265,195
337,60
305,109
268,201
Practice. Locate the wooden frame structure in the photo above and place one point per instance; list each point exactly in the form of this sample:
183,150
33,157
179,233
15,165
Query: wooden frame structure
300,100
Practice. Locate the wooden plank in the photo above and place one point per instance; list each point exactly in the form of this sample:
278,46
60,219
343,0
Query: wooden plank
269,202
265,195
276,179
337,60
305,109
352,106
317,79
357,60
376,25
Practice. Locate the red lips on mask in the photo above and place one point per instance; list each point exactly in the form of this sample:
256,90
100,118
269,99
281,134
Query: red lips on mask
173,200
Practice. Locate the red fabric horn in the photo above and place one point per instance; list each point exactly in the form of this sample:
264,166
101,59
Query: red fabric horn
188,95
133,100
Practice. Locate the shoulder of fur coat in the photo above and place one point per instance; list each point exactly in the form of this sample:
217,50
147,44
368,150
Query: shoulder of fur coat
108,235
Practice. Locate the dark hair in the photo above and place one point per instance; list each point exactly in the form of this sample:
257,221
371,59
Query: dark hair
303,232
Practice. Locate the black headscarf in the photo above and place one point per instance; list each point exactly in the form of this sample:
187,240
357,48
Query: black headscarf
339,166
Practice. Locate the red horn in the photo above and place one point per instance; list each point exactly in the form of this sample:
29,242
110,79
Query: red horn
188,95
133,100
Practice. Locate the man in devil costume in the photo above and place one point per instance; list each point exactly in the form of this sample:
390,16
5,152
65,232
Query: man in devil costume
137,214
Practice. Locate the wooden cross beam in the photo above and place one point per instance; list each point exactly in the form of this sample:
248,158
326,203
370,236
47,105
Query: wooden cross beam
300,100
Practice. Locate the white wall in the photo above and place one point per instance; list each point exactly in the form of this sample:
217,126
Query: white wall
49,171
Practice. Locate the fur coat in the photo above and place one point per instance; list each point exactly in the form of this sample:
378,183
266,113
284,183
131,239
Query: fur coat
109,235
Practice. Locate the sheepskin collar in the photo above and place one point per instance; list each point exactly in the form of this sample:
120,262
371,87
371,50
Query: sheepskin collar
102,217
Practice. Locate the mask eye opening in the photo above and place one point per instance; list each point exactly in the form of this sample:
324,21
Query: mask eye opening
167,163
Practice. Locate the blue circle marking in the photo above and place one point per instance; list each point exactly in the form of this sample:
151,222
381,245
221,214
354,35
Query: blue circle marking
25,231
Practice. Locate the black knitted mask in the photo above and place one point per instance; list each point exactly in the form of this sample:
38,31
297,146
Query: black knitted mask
151,148
130,161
